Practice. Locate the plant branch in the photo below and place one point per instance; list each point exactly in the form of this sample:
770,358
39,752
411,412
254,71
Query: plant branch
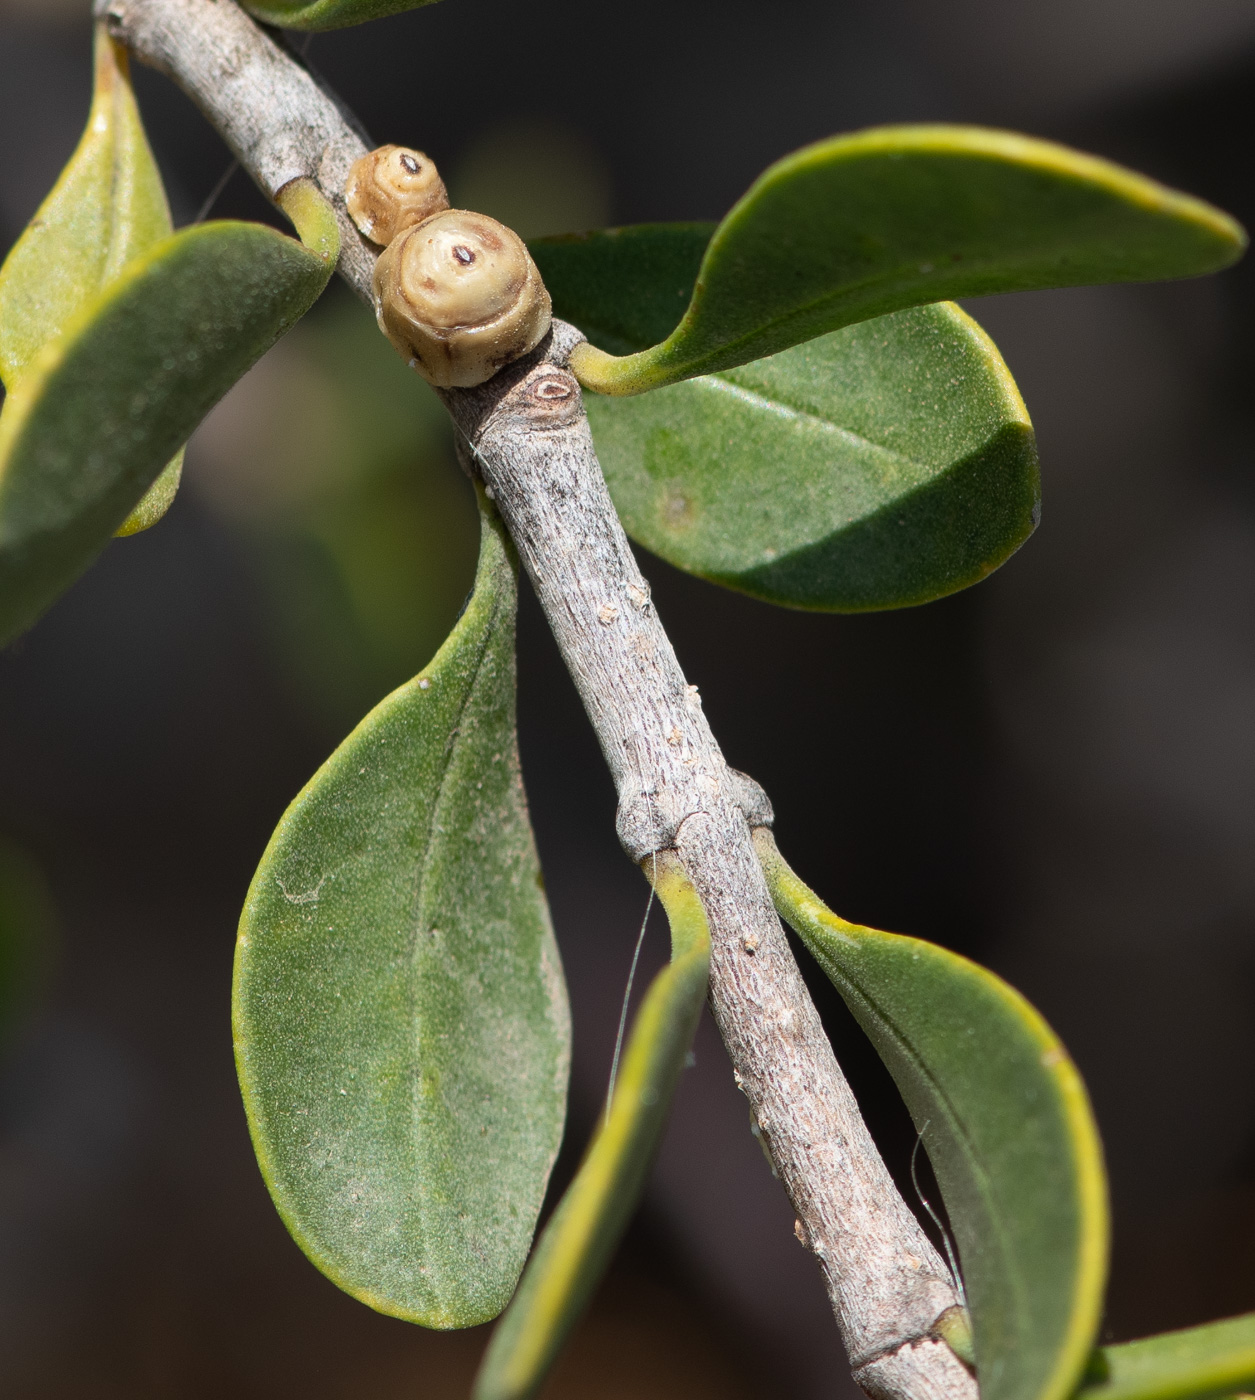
530,442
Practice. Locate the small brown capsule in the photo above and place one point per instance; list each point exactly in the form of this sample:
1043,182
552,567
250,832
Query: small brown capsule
459,296
392,189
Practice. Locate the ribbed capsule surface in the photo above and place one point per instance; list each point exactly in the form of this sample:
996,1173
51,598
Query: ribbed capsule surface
460,297
391,189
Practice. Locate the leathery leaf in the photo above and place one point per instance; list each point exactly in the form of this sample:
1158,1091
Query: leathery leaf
98,413
1006,1121
576,1246
1196,1363
326,14
864,224
401,1023
108,207
880,466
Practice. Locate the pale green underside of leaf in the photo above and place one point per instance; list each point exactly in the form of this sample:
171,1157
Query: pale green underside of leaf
1008,1128
1196,1363
577,1244
326,14
157,500
107,207
865,224
401,1022
884,465
102,410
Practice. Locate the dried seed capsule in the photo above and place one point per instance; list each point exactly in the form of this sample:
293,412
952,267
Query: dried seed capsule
459,296
392,189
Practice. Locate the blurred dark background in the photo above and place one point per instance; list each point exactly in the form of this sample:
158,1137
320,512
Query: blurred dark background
1053,772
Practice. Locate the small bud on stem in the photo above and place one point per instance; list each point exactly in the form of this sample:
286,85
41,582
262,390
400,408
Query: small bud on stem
391,190
459,296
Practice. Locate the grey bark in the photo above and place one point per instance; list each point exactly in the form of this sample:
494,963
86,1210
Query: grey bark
530,442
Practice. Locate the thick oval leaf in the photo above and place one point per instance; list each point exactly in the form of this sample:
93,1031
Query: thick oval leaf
108,207
880,466
884,465
326,14
101,410
1196,1363
1008,1128
862,225
577,1244
401,1022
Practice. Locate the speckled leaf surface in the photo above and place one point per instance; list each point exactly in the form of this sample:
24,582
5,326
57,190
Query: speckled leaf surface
1007,1124
401,1021
157,500
99,412
865,224
1196,1363
580,1238
108,207
882,465
326,14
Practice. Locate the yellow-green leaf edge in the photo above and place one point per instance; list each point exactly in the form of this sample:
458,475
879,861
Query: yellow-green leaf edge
1194,1363
1220,241
576,1245
56,515
836,945
157,500
367,849
910,546
107,207
315,15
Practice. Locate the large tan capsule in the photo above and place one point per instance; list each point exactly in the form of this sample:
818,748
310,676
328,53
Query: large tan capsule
459,296
392,189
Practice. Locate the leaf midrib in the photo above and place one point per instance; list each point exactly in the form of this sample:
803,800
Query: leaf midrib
791,413
443,791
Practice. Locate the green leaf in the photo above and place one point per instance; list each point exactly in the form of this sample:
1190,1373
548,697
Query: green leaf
401,1024
625,288
862,225
101,410
108,207
157,500
577,1244
313,218
1008,1128
1196,1363
326,14
881,466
